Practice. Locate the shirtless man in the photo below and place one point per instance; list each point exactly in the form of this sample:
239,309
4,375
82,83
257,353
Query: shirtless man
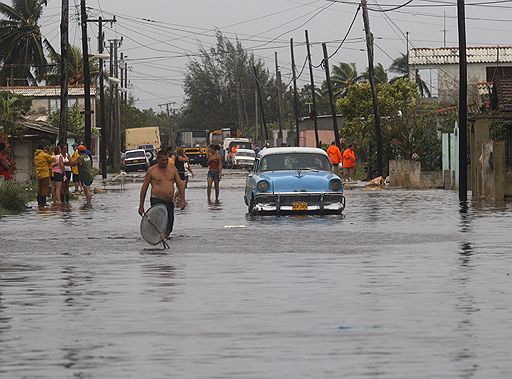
162,177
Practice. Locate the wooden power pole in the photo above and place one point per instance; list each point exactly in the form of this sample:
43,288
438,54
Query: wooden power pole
371,75
279,102
463,104
260,98
331,98
295,96
313,95
64,54
87,77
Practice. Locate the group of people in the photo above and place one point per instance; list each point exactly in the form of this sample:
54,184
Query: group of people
345,161
56,169
171,170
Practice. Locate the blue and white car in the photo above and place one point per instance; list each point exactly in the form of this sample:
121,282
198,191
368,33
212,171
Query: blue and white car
293,179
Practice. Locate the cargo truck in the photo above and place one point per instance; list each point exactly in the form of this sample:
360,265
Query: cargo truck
142,136
194,144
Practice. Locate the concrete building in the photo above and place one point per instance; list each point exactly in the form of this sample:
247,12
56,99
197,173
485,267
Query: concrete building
487,66
325,130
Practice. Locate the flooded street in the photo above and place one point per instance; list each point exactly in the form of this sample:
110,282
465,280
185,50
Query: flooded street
405,284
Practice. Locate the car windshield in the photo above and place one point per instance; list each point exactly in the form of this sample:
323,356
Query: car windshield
135,154
295,161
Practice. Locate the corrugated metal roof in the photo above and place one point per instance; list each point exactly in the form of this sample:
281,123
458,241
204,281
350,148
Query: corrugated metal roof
450,55
46,91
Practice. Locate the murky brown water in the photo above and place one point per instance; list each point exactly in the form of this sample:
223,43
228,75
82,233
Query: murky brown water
405,285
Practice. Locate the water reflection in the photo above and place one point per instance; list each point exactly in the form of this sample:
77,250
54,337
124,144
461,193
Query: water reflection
161,278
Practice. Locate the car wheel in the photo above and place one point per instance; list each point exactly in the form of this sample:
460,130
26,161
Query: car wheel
150,155
250,208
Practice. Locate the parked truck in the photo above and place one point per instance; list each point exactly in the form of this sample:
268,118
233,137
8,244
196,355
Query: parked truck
194,144
143,136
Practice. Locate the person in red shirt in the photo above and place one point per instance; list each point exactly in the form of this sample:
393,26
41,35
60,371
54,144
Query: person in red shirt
349,162
334,156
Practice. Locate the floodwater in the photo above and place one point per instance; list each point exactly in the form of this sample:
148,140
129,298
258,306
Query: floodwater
407,284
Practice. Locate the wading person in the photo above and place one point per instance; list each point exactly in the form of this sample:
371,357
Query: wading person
64,196
74,169
214,173
43,163
349,162
162,176
181,163
85,172
57,175
335,156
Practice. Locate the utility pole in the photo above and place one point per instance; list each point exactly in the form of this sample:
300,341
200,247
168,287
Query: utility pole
331,98
279,102
125,81
261,103
168,109
116,151
371,75
103,124
111,105
463,103
64,44
115,113
87,77
256,115
313,96
407,54
295,96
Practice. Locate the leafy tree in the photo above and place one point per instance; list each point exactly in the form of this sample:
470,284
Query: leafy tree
220,89
400,67
76,122
12,108
21,42
407,123
75,67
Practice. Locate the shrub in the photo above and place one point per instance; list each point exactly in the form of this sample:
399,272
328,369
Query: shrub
12,196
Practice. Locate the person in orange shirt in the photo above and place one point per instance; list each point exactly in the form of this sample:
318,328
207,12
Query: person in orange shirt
334,156
349,162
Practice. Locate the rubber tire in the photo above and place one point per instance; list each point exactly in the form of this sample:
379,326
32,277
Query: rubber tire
151,156
250,208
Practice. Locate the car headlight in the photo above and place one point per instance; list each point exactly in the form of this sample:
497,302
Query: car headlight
263,186
335,184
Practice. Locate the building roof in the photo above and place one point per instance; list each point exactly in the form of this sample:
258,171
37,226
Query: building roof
46,91
450,55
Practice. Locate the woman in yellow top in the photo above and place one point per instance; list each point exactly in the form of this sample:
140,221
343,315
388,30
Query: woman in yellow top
74,169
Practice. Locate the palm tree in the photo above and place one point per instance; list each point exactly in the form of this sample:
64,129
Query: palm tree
400,67
343,76
380,74
21,43
75,67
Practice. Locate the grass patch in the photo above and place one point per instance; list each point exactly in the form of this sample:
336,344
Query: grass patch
13,197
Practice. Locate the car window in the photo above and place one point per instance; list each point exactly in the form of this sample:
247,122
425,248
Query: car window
135,154
294,161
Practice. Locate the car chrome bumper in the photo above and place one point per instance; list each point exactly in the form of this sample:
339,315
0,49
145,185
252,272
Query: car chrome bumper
316,202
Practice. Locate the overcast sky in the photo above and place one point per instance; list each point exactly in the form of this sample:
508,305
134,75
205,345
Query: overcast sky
160,36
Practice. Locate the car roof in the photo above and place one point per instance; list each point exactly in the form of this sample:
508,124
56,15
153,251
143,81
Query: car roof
288,150
134,150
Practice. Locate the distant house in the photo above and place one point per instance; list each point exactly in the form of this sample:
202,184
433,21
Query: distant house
46,100
488,66
325,130
24,147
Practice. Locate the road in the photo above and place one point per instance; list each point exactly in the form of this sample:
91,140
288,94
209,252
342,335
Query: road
405,284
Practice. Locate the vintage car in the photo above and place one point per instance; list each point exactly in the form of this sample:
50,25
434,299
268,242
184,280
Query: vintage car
293,179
